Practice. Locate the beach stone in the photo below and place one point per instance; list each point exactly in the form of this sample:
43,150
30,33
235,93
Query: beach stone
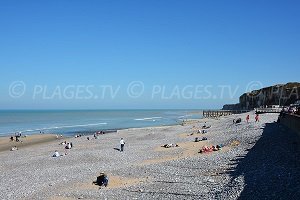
211,180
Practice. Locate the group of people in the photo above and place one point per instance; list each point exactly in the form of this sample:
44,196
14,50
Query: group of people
256,118
292,109
68,145
204,129
206,149
96,134
17,136
239,120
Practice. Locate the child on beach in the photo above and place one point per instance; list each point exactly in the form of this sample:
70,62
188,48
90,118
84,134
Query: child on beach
247,118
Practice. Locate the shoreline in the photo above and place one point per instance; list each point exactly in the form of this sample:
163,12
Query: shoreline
85,133
41,138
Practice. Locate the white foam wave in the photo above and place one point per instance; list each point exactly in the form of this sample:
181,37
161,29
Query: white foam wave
73,126
61,127
148,119
184,116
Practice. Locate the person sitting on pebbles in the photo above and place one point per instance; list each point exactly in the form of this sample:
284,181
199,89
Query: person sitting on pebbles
170,145
15,148
205,126
102,180
56,154
69,146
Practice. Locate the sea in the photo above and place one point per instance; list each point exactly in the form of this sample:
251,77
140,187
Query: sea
72,122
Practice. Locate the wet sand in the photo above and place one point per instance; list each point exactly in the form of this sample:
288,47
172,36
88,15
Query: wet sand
25,142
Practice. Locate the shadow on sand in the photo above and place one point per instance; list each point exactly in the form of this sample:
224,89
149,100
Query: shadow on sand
117,149
271,169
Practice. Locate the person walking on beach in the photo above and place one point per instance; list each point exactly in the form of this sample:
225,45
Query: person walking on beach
247,118
122,142
257,118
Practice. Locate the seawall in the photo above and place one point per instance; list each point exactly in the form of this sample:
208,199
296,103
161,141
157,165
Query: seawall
291,121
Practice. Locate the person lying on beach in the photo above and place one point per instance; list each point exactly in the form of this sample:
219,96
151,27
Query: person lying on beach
206,127
15,148
199,140
206,149
170,145
56,154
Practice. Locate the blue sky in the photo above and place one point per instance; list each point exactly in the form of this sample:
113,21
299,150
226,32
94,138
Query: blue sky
171,44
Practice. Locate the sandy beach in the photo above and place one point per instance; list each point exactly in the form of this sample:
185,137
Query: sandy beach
6,144
257,161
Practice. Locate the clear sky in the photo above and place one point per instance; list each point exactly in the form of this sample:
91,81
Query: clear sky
65,52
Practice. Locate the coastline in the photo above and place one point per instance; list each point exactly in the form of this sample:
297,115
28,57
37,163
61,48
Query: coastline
37,138
145,170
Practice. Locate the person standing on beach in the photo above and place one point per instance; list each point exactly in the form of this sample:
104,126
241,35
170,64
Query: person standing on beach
247,118
122,142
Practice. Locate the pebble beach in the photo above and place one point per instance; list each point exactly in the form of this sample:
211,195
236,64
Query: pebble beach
258,160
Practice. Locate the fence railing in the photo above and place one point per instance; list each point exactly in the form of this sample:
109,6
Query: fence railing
268,110
220,113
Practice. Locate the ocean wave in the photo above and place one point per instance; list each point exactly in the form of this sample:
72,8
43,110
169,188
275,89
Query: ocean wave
148,119
184,116
61,127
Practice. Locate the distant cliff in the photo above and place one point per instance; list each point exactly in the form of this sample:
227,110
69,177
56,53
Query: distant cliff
281,94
